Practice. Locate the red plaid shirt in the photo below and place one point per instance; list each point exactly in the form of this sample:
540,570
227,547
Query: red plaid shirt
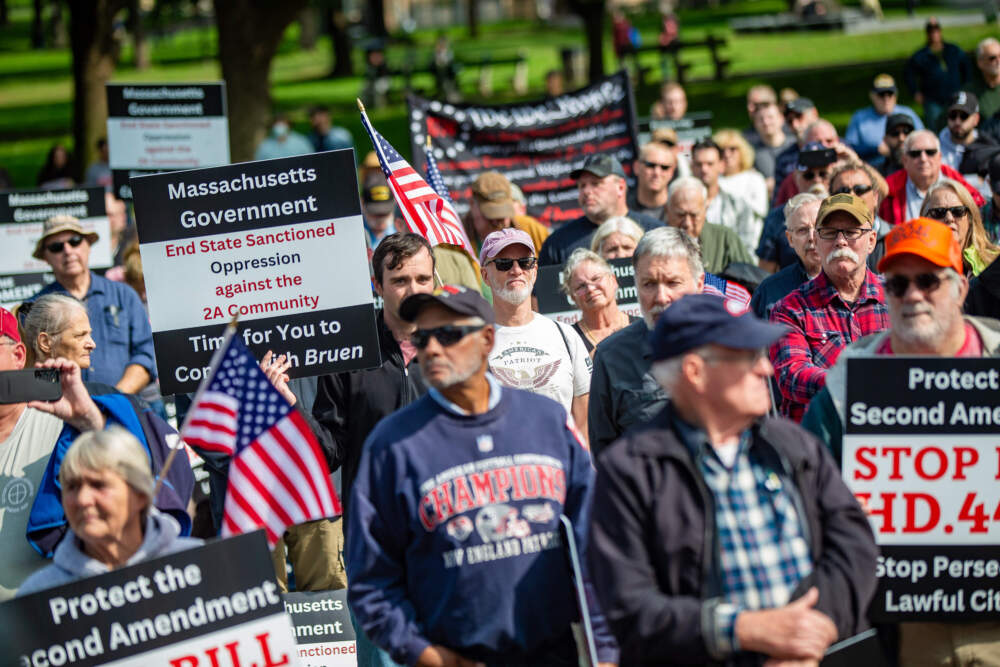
822,325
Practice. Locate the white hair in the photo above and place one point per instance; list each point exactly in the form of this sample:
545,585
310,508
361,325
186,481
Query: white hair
687,183
667,372
989,41
797,202
114,449
578,257
50,314
616,225
916,134
670,242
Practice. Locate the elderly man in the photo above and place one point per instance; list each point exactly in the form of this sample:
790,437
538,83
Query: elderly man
897,128
602,194
800,233
925,289
861,180
987,87
922,168
124,354
654,170
457,503
531,352
867,126
935,72
492,207
28,433
687,210
720,535
667,265
723,208
840,305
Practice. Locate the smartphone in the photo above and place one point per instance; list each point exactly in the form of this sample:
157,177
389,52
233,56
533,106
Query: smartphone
30,384
817,158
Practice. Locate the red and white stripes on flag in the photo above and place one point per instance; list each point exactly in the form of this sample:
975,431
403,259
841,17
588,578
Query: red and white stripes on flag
278,476
732,292
424,210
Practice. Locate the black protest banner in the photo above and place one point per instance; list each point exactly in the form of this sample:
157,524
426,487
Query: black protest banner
163,127
279,243
22,215
210,606
534,144
556,304
323,628
920,452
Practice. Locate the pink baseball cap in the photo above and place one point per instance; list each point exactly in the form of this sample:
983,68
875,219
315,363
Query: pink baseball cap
500,239
8,325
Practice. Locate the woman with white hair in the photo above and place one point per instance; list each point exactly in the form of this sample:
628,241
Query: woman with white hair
616,238
107,494
57,325
591,283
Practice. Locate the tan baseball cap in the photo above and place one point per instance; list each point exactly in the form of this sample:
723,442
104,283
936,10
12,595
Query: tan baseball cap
492,192
848,203
61,223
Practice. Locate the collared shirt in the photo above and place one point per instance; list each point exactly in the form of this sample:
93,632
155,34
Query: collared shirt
120,329
867,128
822,325
915,198
952,153
495,390
763,543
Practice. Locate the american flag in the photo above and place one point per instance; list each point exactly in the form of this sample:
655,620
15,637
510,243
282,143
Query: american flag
732,292
434,176
278,476
424,210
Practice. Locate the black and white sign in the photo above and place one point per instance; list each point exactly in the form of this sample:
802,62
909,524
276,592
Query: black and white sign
554,303
690,129
323,628
922,453
163,127
279,243
215,606
22,215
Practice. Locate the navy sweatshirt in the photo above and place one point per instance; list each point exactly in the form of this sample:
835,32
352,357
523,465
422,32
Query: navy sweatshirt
453,534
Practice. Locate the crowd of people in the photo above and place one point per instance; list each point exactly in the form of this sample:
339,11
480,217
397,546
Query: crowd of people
695,447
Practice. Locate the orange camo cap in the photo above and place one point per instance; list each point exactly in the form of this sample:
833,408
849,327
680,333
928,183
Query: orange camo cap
925,238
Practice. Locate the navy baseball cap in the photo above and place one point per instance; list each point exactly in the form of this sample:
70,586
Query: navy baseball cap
706,319
462,300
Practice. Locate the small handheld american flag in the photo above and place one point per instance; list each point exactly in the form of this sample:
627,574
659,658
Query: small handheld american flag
732,292
278,476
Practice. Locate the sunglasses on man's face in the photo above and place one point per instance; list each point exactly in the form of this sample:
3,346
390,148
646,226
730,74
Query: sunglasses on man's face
898,285
56,247
929,152
858,190
657,165
941,212
507,263
900,132
886,93
447,335
958,115
813,175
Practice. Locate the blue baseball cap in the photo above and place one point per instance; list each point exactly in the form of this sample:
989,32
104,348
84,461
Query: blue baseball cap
706,319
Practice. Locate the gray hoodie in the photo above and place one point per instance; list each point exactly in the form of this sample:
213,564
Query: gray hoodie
70,563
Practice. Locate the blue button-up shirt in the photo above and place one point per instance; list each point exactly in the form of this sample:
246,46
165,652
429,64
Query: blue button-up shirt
120,329
867,129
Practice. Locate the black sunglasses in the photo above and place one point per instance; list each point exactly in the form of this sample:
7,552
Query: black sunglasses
56,247
447,335
900,132
929,152
885,93
959,115
655,165
941,212
507,263
856,189
813,175
925,282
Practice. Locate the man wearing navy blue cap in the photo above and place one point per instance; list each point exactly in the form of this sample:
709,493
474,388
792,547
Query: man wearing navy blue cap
717,533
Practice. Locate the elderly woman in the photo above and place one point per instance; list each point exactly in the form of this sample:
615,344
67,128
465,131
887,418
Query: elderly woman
949,202
57,325
107,493
592,285
616,237
741,180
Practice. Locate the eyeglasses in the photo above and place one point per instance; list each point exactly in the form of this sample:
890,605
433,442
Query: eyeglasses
858,189
813,175
929,152
657,165
56,247
941,212
899,132
958,115
898,285
507,263
886,93
447,335
804,232
587,284
852,234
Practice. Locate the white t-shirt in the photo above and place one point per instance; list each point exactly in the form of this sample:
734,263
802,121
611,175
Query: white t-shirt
537,358
23,457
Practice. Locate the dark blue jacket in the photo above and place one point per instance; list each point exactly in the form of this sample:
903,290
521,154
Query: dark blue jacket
776,287
923,73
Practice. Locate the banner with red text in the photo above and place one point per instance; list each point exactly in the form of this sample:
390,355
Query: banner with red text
323,628
534,144
922,454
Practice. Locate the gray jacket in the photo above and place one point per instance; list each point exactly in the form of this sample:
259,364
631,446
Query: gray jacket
69,562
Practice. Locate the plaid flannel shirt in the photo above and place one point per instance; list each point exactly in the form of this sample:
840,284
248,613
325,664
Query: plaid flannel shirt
763,545
821,325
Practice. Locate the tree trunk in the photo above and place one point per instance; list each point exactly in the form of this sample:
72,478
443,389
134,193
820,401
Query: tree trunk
592,12
308,28
249,35
139,44
4,14
336,25
38,24
376,18
473,18
94,52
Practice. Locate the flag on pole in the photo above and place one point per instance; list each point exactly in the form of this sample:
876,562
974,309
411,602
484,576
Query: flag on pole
278,476
424,210
434,176
734,293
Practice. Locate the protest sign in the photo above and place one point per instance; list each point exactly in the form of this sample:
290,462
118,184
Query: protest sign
556,304
213,606
534,144
690,129
163,127
279,243
323,628
920,451
22,214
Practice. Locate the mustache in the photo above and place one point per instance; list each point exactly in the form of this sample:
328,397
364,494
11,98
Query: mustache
845,253
912,309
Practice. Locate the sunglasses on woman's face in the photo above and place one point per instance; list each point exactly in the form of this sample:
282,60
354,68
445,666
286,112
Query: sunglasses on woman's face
941,212
56,247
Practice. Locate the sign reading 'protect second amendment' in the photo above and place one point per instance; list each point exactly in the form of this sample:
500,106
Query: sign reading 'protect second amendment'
278,243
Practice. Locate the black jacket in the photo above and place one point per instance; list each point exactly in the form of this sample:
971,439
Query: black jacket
653,548
349,405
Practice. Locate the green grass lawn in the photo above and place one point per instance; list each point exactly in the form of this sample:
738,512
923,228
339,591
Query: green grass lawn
833,69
